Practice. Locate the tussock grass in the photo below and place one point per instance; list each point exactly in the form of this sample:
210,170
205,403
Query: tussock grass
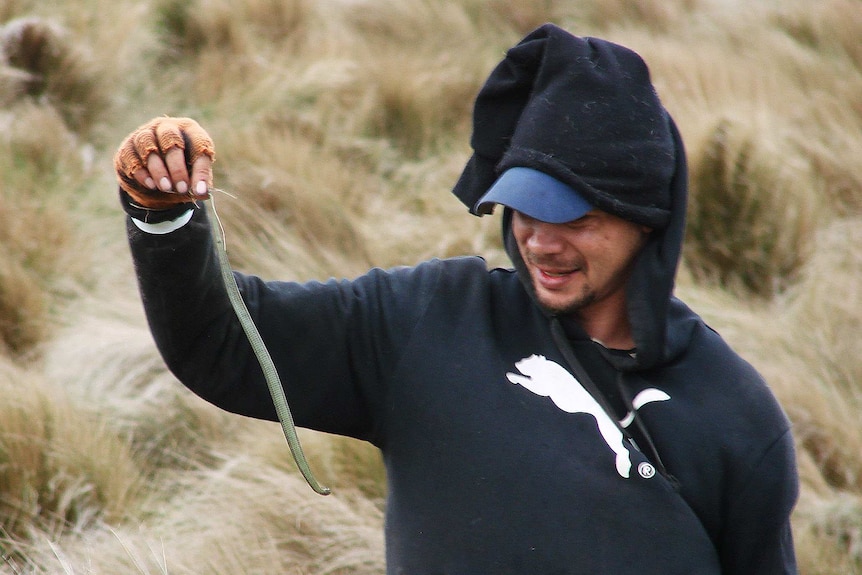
60,470
13,8
248,518
23,308
341,126
521,16
752,213
824,317
829,538
208,47
280,196
42,258
650,14
832,156
416,101
121,379
831,27
345,465
48,66
188,29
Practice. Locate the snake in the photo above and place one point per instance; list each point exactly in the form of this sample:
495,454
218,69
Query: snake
261,352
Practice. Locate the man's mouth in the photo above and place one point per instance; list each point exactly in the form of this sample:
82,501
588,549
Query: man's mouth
553,274
556,274
555,278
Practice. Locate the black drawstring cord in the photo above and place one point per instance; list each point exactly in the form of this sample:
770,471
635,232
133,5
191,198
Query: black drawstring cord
562,341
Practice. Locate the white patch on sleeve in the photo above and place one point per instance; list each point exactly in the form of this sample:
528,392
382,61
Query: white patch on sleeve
162,228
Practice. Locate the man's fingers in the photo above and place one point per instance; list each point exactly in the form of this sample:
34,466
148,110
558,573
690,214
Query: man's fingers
142,176
144,144
159,173
198,140
202,175
182,139
127,162
171,174
165,162
175,162
169,135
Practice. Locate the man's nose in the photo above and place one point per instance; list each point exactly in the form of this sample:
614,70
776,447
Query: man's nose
545,238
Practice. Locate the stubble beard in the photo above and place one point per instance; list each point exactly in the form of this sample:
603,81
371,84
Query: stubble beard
575,303
571,307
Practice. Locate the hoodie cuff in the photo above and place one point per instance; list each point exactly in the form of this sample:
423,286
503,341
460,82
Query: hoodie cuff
157,221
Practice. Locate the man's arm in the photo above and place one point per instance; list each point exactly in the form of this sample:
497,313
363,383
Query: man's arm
757,535
188,310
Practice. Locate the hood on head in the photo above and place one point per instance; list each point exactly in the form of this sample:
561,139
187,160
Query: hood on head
584,111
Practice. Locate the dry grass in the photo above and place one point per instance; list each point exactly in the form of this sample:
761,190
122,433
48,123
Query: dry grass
42,261
752,212
61,470
49,67
656,15
341,126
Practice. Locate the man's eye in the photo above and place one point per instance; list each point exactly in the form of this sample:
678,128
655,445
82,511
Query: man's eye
580,222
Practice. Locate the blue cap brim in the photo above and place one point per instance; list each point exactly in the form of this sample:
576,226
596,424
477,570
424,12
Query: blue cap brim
535,194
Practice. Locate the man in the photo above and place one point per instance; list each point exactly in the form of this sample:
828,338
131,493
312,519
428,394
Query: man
567,416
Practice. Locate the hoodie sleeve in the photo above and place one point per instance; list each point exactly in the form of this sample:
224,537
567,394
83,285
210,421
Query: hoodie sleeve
333,343
757,536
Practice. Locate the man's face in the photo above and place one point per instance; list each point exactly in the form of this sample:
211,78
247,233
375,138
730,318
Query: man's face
579,266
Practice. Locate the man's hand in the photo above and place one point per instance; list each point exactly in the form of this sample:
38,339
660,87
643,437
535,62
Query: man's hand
165,162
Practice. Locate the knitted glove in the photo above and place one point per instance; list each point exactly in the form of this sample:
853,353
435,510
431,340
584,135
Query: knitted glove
159,136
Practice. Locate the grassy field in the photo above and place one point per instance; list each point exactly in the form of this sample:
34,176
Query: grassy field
341,126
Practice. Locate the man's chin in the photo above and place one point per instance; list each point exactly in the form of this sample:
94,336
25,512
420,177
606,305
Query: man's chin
562,306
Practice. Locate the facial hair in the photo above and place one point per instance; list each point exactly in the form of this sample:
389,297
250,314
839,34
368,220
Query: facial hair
580,301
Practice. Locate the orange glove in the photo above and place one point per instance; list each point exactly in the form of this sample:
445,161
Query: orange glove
165,162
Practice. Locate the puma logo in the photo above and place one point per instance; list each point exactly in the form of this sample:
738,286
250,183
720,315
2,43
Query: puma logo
549,379
648,395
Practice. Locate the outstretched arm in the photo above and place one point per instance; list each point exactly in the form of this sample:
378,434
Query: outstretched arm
161,166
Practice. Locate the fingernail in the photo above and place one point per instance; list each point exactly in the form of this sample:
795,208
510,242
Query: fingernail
182,187
165,185
201,188
150,183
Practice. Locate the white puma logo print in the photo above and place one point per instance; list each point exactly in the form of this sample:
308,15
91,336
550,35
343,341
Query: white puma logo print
648,395
549,379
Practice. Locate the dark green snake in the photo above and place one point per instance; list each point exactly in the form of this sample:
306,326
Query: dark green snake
269,371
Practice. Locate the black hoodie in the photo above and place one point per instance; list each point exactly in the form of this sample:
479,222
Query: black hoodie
499,460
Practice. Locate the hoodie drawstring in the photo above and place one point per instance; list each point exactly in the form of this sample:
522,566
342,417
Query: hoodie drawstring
562,341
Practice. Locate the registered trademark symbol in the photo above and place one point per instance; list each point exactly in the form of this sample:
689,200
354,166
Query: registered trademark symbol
646,470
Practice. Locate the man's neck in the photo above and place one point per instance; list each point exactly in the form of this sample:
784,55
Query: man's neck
608,326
